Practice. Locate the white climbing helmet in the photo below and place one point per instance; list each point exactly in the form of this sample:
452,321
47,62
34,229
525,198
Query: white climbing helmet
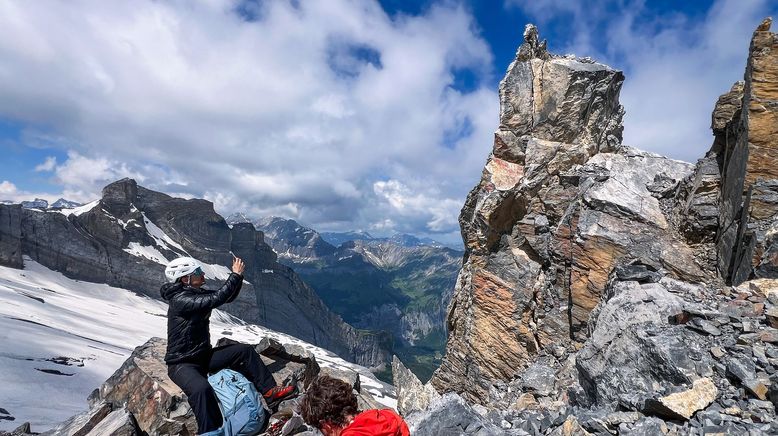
181,267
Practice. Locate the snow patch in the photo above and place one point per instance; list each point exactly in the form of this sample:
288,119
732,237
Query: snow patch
213,271
78,210
150,253
99,325
160,237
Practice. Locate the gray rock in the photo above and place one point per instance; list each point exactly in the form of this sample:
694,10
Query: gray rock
645,427
83,423
741,369
118,423
539,378
703,326
294,425
633,351
412,395
450,414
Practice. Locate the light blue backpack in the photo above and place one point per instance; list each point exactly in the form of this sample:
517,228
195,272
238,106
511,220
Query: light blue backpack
241,407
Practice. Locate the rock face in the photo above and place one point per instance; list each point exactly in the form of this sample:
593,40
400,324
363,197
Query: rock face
125,239
560,205
139,398
749,191
412,395
596,294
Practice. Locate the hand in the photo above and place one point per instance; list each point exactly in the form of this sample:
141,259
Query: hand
238,266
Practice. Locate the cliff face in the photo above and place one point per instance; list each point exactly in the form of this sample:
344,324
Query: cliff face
127,237
746,244
563,211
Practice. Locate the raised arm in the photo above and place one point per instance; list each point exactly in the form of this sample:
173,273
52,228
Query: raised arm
237,268
188,301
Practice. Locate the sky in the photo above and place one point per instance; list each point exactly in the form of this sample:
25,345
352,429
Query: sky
344,115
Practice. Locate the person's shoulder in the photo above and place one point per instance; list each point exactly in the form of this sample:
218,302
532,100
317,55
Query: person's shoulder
378,422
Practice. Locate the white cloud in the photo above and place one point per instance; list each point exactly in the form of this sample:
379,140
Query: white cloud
298,113
47,165
10,192
7,188
428,211
82,177
675,66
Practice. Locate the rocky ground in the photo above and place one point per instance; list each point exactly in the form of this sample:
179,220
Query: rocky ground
140,399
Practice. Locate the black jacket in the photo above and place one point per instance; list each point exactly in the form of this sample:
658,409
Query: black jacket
188,315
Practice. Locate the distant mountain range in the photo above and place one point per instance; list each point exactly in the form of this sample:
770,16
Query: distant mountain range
401,239
400,284
40,203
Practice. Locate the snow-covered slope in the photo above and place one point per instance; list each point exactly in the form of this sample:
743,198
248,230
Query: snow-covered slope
61,338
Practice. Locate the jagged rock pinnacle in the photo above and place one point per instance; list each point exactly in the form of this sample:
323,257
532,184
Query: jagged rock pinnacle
532,47
764,26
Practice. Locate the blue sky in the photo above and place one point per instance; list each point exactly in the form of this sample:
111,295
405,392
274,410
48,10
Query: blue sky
351,115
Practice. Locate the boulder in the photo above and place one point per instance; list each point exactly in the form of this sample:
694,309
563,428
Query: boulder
634,351
412,395
570,427
117,423
683,404
450,414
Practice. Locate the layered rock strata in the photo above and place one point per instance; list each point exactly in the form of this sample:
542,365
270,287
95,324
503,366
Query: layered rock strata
746,240
560,205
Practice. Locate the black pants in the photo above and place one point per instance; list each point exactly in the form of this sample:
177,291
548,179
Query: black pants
192,378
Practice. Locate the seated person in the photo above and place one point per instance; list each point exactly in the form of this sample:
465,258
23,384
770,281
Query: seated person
330,405
190,356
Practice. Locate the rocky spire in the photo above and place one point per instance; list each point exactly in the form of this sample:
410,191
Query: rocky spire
532,48
747,244
559,206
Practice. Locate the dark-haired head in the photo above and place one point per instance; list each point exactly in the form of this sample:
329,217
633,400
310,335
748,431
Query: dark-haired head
329,404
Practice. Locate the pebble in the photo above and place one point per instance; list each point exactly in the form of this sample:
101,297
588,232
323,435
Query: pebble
717,352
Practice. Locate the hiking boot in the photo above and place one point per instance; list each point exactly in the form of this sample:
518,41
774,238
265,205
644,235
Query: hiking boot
277,394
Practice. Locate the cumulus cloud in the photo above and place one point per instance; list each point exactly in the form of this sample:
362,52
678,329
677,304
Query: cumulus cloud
82,177
676,66
47,165
7,188
10,192
290,107
433,213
